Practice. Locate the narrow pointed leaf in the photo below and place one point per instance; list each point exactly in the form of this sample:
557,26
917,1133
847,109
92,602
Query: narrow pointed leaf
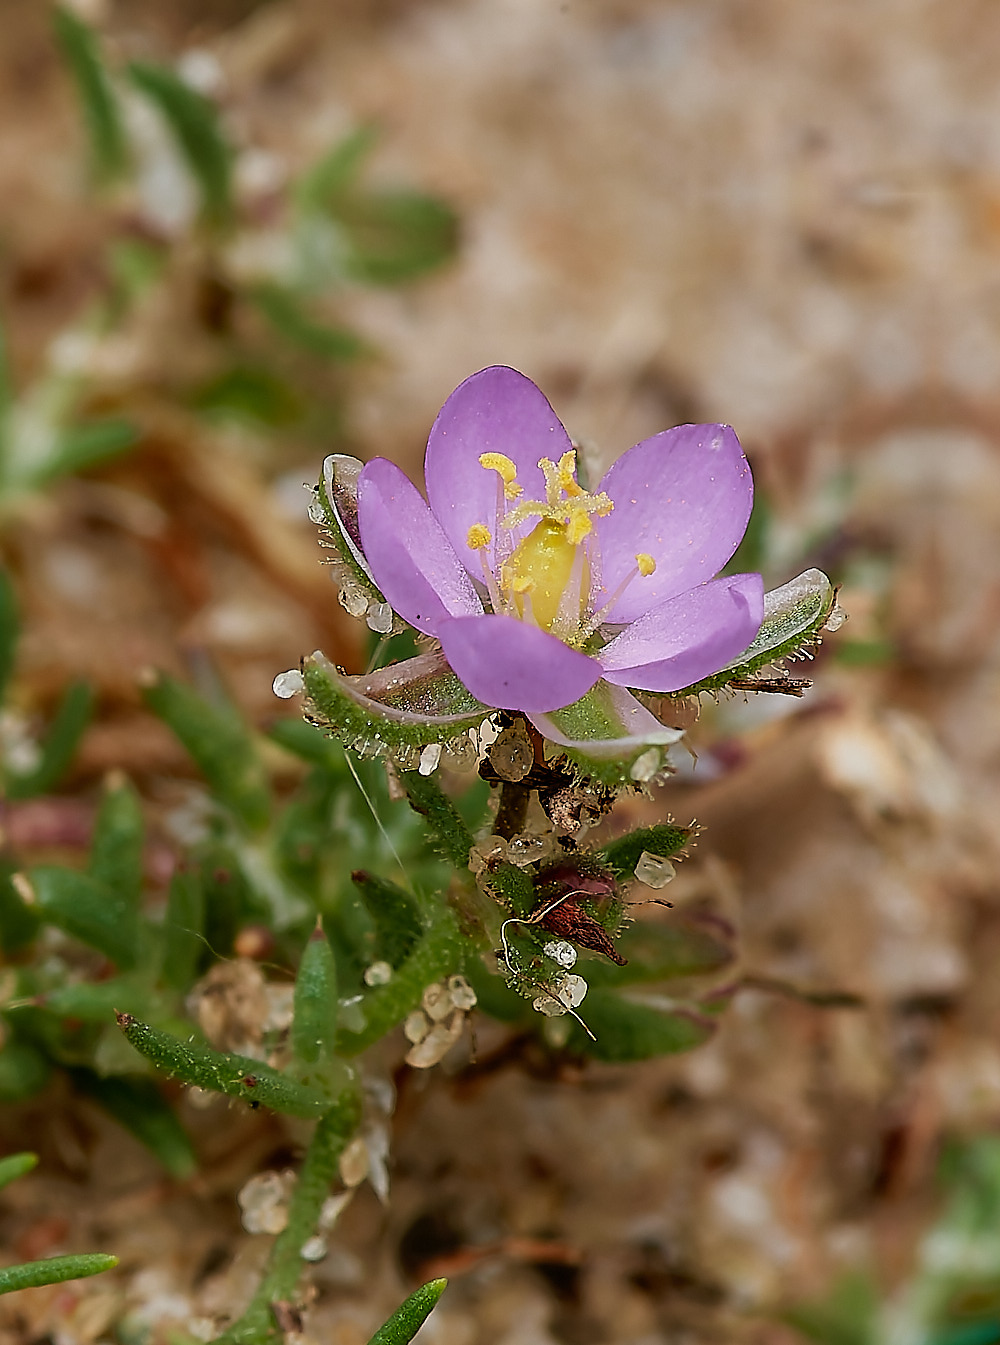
183,929
314,1024
108,144
116,850
54,1270
632,1029
9,630
16,1165
58,745
395,914
410,1316
88,911
622,854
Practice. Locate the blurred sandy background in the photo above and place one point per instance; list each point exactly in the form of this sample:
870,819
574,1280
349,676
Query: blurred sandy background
781,215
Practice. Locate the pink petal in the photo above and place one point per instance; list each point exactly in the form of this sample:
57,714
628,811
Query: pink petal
410,558
497,410
688,637
514,666
684,497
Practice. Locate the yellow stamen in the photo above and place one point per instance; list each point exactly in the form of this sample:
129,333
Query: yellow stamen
478,537
578,526
645,562
505,469
567,474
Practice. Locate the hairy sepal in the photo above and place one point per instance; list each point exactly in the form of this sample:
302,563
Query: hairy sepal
794,617
337,497
594,736
394,711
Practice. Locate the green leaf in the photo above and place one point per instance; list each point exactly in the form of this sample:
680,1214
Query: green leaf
309,743
234,1075
116,850
410,1316
442,817
138,1105
622,854
290,319
108,144
18,922
83,446
194,122
95,1001
395,236
88,911
395,915
794,617
24,1070
632,1029
661,953
9,630
16,1165
183,929
58,746
439,952
849,1316
221,744
54,1271
336,172
246,392
314,1022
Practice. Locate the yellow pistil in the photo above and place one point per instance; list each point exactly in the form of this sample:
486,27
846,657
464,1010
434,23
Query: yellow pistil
645,562
478,536
505,469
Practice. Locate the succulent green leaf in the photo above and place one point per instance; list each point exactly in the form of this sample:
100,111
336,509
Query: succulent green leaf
116,851
87,910
623,853
440,951
336,172
234,1075
138,1105
108,143
184,940
194,122
395,236
314,1024
24,1070
410,1316
290,318
395,915
794,617
634,1029
442,817
16,1165
18,922
58,745
54,1270
221,744
95,1001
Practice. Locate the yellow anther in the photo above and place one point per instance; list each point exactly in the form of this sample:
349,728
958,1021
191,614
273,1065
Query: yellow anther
478,537
578,526
645,562
506,469
567,474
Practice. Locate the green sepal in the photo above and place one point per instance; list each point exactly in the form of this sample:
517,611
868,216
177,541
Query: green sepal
660,953
609,737
16,1165
314,1021
395,915
54,1270
138,1105
410,1316
221,745
223,1072
397,709
794,617
337,496
623,853
89,911
629,1028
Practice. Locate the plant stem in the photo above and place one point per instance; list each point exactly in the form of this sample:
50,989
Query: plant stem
257,1326
513,811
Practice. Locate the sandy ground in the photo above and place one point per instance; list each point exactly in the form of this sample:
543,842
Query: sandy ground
782,216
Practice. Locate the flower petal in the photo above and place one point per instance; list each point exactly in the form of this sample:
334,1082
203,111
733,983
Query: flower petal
497,410
514,666
687,637
683,497
410,558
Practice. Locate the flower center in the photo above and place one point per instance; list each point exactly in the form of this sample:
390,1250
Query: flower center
546,577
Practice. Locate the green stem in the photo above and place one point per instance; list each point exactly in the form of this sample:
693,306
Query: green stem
427,798
257,1326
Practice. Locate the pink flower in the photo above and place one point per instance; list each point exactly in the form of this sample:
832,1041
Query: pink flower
538,589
